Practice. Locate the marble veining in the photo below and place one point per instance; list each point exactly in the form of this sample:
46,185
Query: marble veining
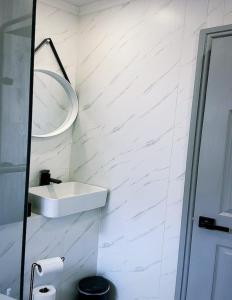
74,237
62,27
135,79
133,64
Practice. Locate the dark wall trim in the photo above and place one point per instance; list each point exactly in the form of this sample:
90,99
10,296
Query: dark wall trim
201,78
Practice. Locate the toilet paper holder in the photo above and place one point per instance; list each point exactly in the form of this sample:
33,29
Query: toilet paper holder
33,267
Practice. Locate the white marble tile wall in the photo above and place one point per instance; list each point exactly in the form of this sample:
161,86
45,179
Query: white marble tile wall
135,81
76,236
135,65
62,26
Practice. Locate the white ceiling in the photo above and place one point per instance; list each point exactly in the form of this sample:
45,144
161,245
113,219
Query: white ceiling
80,2
82,7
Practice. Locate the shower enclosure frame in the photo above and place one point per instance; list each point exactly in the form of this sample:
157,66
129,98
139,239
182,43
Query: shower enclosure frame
5,29
34,5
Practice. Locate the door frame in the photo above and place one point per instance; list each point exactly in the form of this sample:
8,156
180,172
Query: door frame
197,115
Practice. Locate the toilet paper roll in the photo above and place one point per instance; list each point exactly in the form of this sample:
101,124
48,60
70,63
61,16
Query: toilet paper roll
50,265
44,292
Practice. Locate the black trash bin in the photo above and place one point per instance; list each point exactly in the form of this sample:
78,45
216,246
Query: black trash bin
94,288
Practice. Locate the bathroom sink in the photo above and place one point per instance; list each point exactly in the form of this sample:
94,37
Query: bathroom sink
58,200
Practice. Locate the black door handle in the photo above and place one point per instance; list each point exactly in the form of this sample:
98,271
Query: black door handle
210,224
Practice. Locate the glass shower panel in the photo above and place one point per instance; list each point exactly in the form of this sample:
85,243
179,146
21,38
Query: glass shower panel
16,39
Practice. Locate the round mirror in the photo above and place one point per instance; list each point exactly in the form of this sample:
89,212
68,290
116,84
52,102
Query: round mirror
55,104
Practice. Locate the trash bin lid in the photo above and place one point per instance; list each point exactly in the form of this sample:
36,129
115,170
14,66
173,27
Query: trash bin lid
94,285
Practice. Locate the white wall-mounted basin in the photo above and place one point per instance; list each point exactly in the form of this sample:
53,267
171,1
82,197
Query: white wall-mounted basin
58,200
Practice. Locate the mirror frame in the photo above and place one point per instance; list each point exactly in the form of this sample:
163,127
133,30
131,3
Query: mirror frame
73,111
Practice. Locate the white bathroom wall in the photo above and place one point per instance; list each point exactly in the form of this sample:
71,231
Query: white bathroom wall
74,237
62,26
135,81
